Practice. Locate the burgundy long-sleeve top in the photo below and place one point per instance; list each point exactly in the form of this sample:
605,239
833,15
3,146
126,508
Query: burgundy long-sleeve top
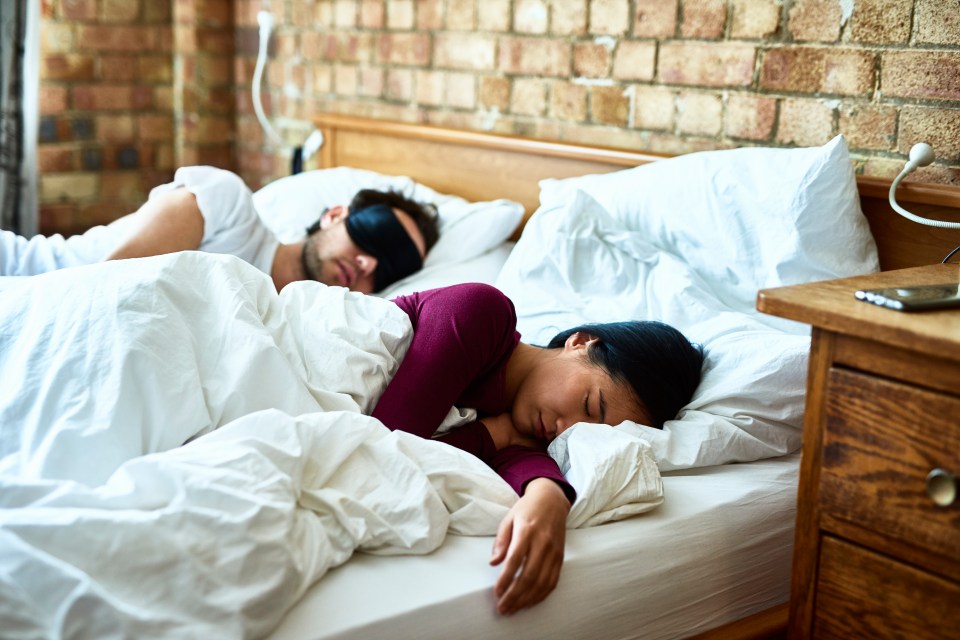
463,336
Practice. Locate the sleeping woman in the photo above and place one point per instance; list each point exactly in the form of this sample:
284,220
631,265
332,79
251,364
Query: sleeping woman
466,352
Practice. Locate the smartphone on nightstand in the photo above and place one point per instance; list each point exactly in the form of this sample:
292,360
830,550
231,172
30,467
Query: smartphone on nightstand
916,298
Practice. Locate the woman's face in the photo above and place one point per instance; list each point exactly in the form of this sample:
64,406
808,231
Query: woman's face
566,389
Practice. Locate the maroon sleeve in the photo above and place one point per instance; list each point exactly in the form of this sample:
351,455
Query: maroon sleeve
517,465
460,333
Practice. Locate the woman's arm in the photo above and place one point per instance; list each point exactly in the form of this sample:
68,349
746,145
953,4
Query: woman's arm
165,224
530,544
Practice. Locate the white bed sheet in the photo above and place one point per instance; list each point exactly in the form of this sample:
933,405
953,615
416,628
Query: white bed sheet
717,550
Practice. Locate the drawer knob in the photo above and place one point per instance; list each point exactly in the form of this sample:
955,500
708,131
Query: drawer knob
942,487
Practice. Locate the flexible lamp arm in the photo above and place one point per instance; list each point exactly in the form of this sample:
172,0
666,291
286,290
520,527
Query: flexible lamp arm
921,154
265,19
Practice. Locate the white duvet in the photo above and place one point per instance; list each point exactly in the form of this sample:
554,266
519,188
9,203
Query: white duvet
110,528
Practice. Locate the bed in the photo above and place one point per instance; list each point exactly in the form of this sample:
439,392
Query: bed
747,510
713,560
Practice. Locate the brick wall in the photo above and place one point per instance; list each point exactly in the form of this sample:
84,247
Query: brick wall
133,88
129,90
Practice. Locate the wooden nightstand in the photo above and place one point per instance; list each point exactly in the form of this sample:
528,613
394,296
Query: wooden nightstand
874,555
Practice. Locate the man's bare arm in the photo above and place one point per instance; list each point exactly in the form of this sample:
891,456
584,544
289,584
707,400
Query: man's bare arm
165,224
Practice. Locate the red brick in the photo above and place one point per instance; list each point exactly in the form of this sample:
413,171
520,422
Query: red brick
530,16
70,186
869,126
461,90
655,19
699,114
400,14
920,74
430,15
529,97
102,97
535,56
115,128
57,218
57,38
154,127
158,12
568,101
430,87
610,17
755,18
120,10
493,15
157,69
122,185
938,22
940,128
345,79
750,117
881,21
372,14
713,65
591,60
494,92
805,122
461,15
66,67
815,20
117,68
609,105
568,17
114,38
404,49
52,99
217,71
345,14
703,19
829,70
635,61
399,85
52,158
79,9
653,107
464,51
372,82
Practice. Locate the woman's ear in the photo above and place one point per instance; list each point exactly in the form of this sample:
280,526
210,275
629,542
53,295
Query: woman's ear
580,340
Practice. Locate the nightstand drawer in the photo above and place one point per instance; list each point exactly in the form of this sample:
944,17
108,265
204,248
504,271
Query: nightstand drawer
881,440
865,595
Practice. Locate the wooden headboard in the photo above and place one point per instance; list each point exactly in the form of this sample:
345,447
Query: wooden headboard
485,166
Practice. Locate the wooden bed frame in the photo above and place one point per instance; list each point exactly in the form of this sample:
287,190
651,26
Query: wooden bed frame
483,166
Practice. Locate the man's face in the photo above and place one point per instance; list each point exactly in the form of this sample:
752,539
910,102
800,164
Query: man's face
333,258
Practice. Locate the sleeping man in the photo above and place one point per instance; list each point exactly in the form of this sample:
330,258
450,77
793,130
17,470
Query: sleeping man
376,240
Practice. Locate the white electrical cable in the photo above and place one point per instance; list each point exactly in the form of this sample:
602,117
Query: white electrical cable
265,19
921,154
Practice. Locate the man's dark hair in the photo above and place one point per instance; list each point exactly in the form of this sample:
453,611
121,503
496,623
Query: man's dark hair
424,214
658,362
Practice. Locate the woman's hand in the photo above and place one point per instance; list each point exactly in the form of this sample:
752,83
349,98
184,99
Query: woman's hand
504,434
530,543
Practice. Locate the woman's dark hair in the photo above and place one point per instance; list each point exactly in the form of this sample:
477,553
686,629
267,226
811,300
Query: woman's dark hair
423,213
654,359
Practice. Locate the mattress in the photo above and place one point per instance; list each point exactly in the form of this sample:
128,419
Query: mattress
717,550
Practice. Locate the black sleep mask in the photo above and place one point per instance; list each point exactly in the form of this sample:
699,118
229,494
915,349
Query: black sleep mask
377,230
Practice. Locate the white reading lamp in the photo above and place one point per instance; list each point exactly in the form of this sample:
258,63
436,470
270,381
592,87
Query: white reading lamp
921,154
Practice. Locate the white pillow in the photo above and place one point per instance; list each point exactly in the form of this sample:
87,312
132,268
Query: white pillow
747,218
576,264
467,229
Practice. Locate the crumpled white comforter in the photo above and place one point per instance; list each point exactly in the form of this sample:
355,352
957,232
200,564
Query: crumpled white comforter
110,528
